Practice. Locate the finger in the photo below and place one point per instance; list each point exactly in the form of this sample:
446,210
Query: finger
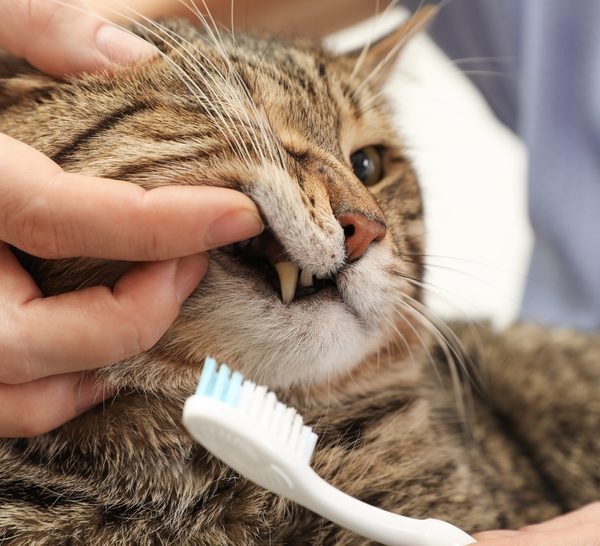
16,288
62,37
96,327
52,214
585,535
491,535
585,515
16,285
38,407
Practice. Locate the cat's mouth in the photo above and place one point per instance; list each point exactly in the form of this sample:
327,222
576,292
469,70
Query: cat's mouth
266,255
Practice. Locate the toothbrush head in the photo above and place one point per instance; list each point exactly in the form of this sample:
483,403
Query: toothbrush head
246,426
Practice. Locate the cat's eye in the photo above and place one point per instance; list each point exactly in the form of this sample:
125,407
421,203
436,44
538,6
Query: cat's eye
367,165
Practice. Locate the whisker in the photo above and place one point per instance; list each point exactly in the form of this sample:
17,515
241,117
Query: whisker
386,59
266,130
231,100
217,88
497,59
454,351
369,42
193,88
490,73
448,350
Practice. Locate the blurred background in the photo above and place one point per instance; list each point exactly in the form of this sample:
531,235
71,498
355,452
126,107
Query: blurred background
473,174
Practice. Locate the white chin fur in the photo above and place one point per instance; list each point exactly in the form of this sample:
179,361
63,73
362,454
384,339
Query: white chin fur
309,341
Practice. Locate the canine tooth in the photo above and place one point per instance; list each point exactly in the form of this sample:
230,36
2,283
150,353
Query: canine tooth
288,279
306,278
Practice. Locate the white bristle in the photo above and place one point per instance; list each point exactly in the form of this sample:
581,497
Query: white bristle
246,395
267,409
302,441
258,400
286,424
277,417
295,432
310,446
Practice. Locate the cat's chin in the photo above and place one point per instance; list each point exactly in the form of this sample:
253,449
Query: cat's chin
238,317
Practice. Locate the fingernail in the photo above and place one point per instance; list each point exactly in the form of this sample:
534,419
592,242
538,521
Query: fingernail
234,226
89,393
190,271
121,47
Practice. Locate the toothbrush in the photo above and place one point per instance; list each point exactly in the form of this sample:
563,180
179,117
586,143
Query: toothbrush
266,441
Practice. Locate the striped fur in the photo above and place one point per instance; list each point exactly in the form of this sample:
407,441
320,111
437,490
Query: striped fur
278,121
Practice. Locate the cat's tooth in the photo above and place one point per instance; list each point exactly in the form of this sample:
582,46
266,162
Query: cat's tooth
288,279
306,278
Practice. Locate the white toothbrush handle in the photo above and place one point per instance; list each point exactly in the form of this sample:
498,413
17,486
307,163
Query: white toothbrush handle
237,440
385,527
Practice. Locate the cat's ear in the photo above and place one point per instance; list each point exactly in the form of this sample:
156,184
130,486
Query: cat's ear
378,59
18,80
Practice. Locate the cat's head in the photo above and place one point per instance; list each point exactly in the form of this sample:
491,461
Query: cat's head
308,135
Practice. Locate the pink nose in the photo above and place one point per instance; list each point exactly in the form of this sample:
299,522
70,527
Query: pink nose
360,233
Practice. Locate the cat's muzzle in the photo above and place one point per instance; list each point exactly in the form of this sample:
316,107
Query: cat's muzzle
267,256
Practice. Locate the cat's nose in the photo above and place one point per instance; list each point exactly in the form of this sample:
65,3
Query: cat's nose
360,232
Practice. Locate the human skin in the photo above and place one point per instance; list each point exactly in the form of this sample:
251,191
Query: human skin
308,18
47,344
578,528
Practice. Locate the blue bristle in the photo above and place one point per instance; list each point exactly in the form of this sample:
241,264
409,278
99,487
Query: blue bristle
222,382
208,376
219,383
234,388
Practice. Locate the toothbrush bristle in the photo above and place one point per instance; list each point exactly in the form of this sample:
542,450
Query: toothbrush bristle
219,383
283,424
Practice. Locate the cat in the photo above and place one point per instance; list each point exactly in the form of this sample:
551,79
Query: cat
307,134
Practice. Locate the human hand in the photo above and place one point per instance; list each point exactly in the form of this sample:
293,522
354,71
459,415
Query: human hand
579,528
47,343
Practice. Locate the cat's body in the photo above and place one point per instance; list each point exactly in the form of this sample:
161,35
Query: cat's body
128,474
350,358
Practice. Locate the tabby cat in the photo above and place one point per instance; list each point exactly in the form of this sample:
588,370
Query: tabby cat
324,307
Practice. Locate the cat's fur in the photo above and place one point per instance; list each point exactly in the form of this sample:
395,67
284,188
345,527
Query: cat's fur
390,432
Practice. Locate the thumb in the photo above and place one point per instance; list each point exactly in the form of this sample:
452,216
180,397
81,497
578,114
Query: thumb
62,37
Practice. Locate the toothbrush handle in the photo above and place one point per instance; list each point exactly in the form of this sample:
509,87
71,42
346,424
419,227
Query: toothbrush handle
374,523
